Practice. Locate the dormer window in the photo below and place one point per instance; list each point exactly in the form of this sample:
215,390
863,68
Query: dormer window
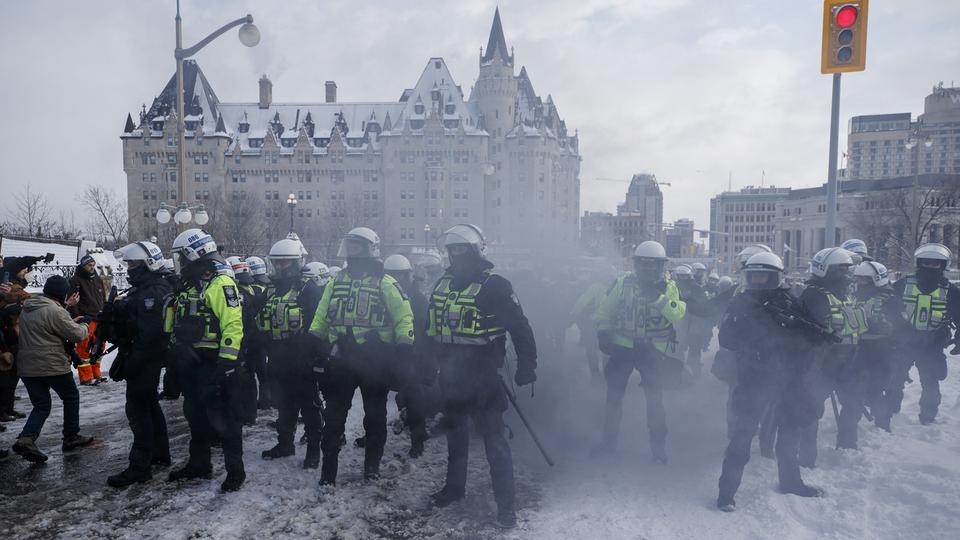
255,143
416,124
244,126
450,108
157,125
435,94
418,108
190,125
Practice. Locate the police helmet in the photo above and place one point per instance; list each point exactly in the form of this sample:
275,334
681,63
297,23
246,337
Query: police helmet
873,271
359,243
192,244
857,249
763,271
397,263
286,258
831,259
146,252
257,266
750,251
932,255
463,234
317,271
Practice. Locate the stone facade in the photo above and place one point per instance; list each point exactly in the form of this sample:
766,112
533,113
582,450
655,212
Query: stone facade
502,159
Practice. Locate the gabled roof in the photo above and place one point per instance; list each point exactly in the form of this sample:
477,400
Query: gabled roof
497,44
436,81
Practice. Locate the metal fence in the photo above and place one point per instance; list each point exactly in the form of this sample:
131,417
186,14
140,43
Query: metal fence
41,272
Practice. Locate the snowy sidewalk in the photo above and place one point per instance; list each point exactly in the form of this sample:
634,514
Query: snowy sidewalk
900,485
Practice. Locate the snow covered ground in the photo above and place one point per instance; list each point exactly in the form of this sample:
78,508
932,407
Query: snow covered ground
900,485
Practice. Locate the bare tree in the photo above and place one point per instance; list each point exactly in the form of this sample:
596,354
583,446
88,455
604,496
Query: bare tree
65,227
892,225
108,219
31,212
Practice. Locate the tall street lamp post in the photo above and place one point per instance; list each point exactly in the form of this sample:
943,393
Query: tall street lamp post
426,237
249,36
292,204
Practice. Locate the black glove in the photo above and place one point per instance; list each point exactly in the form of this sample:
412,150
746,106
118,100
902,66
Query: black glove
227,371
605,342
525,373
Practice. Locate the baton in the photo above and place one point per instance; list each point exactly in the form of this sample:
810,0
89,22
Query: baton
526,424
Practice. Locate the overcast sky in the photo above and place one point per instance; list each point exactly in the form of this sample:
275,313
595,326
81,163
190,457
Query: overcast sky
691,90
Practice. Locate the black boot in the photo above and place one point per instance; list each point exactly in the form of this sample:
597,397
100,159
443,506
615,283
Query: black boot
278,451
506,518
726,503
161,461
233,481
128,477
802,490
188,473
416,447
328,471
445,497
27,447
72,442
312,461
371,472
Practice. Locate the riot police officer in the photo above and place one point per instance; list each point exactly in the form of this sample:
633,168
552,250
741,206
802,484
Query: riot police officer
696,328
928,303
471,311
141,358
284,321
365,323
770,372
261,280
877,355
413,385
635,326
252,353
206,322
828,300
858,250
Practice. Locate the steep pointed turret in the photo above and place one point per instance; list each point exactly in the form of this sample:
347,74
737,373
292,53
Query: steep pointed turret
220,127
497,43
129,127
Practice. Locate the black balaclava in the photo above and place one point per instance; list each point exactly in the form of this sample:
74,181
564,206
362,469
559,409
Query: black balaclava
139,275
467,264
194,271
837,280
929,279
244,278
361,266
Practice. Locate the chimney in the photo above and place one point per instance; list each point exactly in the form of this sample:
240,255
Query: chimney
266,92
331,87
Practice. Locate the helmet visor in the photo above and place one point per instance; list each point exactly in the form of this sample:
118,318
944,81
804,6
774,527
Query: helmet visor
648,269
761,279
351,248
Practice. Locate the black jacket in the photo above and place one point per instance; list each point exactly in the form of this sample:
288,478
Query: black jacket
752,330
497,298
904,328
144,309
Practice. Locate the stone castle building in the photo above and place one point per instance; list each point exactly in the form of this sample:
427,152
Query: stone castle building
501,158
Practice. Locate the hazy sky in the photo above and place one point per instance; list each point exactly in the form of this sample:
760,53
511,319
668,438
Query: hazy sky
691,90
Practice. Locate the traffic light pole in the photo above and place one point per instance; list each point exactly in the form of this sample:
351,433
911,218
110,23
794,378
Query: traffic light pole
830,232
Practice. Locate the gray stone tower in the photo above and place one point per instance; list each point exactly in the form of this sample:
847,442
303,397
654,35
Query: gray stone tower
496,87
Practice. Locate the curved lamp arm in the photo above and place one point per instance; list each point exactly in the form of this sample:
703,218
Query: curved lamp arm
181,54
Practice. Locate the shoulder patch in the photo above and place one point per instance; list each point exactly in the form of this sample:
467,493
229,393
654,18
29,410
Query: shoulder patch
230,294
149,303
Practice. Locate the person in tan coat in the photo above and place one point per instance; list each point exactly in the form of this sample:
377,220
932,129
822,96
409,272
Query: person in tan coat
46,335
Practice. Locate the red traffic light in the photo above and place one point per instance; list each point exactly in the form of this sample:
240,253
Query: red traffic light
847,16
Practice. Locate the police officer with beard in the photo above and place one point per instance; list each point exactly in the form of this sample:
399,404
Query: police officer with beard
206,322
141,360
284,321
770,372
928,303
365,325
471,311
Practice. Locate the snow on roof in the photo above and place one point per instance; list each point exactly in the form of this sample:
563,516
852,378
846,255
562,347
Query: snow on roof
64,252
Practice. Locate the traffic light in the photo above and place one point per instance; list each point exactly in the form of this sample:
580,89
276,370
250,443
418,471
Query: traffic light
844,36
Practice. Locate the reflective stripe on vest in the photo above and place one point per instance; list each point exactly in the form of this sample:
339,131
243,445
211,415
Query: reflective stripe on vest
924,311
455,317
358,305
190,303
282,316
847,318
638,320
